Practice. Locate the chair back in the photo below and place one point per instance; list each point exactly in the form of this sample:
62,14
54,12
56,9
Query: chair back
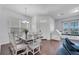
12,40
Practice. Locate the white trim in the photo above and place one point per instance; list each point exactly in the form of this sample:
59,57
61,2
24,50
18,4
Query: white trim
2,43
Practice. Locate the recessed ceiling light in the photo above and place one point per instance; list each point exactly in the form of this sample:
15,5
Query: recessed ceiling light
75,10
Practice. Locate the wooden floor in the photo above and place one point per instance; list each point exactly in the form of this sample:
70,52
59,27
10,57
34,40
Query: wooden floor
48,47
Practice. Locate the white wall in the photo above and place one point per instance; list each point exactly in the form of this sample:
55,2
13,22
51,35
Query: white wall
3,26
46,25
33,24
5,15
52,24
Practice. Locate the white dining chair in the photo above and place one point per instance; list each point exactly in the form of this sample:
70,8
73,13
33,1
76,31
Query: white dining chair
17,45
35,44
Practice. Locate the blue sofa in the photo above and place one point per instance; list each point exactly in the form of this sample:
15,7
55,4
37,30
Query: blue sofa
68,48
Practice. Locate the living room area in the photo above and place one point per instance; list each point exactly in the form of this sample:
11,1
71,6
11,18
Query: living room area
39,29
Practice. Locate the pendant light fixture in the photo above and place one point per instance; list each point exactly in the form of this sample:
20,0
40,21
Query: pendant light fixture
25,20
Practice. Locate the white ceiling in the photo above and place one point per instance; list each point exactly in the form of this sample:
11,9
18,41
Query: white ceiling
54,10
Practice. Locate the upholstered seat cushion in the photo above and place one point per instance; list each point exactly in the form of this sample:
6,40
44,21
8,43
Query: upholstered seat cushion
21,46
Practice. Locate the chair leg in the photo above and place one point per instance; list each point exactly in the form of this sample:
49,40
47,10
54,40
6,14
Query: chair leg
39,50
27,51
0,49
33,51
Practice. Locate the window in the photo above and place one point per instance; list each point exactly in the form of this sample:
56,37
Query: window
74,28
71,27
65,26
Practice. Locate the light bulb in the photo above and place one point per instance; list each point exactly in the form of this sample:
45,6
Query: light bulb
25,21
